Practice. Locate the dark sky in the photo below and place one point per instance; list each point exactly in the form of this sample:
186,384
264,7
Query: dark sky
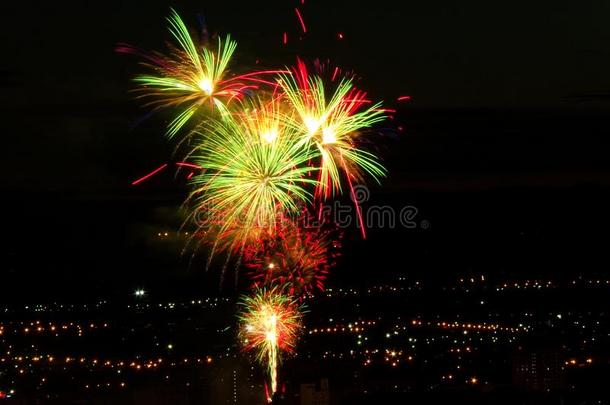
507,96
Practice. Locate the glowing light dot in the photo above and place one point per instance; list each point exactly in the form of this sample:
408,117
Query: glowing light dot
311,124
270,135
328,136
206,86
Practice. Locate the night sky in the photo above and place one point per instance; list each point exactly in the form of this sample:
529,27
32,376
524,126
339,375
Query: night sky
504,148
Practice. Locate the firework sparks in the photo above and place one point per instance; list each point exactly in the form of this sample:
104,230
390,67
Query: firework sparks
254,168
292,259
333,126
163,167
270,324
193,77
149,175
301,21
189,165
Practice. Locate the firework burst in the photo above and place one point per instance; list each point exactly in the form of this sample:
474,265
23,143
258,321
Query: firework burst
293,259
334,125
270,324
254,169
193,77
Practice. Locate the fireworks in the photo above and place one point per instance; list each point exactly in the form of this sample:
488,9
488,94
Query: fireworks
270,324
192,77
294,259
265,146
333,125
254,169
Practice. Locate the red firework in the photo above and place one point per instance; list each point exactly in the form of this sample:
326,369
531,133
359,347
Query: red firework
295,259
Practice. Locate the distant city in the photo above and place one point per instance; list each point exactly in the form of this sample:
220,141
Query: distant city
475,340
